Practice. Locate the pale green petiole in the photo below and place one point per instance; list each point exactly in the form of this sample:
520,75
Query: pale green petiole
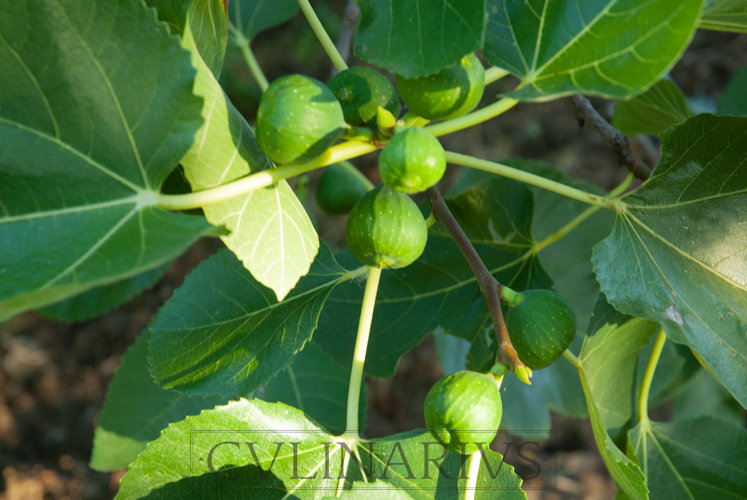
359,355
322,35
534,180
261,179
648,376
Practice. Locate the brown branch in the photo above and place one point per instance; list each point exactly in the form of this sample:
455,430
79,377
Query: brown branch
347,30
489,286
618,141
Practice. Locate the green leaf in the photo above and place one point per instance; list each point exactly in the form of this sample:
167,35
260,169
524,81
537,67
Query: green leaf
734,98
93,117
270,230
439,289
725,15
678,250
223,333
601,47
318,386
210,455
624,470
653,111
189,456
99,300
412,38
255,16
704,395
694,458
209,23
610,358
136,410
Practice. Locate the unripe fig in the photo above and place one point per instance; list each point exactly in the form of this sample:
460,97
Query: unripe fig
386,229
452,92
412,161
541,327
464,408
298,119
361,91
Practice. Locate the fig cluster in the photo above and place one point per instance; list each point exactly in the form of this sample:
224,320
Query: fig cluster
300,118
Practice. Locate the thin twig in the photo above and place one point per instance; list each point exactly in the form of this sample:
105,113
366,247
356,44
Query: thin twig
618,141
347,31
489,286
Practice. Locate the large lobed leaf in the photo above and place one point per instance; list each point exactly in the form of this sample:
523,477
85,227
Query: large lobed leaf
210,455
414,38
224,333
678,252
611,48
93,116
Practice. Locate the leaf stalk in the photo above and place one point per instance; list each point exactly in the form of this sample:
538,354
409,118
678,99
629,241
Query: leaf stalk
648,376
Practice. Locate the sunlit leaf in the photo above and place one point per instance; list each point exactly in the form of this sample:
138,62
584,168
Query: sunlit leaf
413,38
694,458
224,333
219,454
136,410
209,24
610,48
653,111
678,252
624,470
270,230
610,357
93,117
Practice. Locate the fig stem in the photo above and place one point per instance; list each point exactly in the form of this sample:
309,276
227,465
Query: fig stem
474,470
648,375
359,355
321,34
260,179
489,286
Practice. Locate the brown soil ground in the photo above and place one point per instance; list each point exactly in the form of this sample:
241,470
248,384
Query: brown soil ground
53,376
